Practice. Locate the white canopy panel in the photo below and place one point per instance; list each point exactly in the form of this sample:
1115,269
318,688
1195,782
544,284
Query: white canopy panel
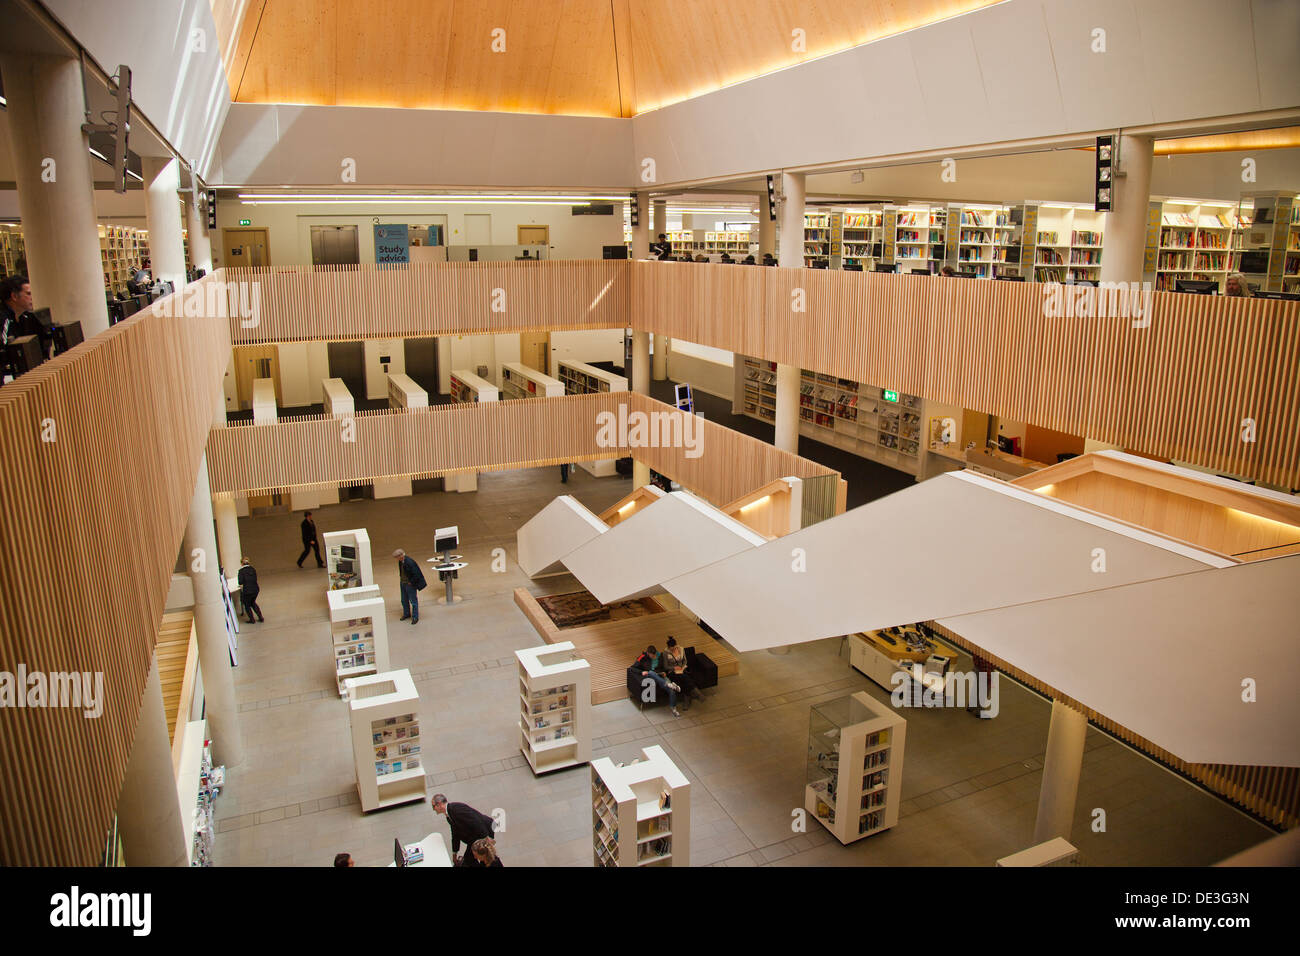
553,532
1167,658
677,533
955,544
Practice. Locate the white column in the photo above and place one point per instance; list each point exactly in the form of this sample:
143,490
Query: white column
227,518
162,182
56,194
148,808
210,625
1061,768
1124,238
200,244
766,228
641,232
787,376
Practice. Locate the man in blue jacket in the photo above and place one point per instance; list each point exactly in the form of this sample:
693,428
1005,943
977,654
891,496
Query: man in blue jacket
412,582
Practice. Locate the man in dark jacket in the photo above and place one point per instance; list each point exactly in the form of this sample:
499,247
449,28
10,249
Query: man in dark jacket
15,314
248,591
467,824
411,580
309,540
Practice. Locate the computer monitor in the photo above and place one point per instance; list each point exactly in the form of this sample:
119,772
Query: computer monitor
345,567
1198,286
1279,296
1006,445
1013,255
966,274
613,252
1254,262
1082,282
853,267
1011,278
347,551
129,306
446,539
42,317
885,267
918,272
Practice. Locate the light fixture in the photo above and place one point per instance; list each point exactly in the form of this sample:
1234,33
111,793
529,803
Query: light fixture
754,504
630,504
855,176
538,198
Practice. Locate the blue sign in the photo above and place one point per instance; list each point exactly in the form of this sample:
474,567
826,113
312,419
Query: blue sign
392,243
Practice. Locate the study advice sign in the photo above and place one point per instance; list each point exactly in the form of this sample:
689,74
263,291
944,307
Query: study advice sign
392,243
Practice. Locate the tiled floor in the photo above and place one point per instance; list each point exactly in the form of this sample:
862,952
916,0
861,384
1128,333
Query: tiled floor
970,786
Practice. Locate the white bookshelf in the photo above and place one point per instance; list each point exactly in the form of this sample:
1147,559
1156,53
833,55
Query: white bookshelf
338,400
582,379
467,387
386,743
1064,242
914,237
520,381
362,574
860,232
554,707
871,422
631,826
816,238
403,392
358,633
1197,240
983,239
854,766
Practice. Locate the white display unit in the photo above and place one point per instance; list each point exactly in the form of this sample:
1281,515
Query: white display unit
403,392
358,633
264,407
1066,242
554,707
854,766
630,825
386,742
520,381
467,387
362,574
338,400
1198,240
582,379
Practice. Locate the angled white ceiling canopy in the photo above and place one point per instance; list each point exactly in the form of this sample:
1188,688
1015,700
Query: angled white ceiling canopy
679,532
1167,658
553,532
952,545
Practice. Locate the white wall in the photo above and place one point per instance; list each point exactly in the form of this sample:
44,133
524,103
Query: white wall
701,374
376,372
289,227
603,345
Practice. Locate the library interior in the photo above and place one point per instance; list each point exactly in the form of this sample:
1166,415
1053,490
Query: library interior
697,417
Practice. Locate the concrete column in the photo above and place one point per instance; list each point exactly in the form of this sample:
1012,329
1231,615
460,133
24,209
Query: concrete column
766,228
659,221
1125,236
210,625
200,243
162,182
659,361
641,362
1064,761
56,194
640,474
787,376
148,809
641,233
227,518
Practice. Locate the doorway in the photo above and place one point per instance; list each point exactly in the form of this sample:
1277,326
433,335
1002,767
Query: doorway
534,235
245,247
334,246
347,360
253,362
535,350
422,362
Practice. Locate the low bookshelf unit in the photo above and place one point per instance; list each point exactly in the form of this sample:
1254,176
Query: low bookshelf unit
554,707
640,812
582,379
384,711
347,558
855,766
358,633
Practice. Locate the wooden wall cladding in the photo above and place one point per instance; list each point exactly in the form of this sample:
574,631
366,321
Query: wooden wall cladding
90,526
1182,387
1271,793
324,303
486,436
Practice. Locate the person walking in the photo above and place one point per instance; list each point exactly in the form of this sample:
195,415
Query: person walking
411,580
309,540
466,823
248,591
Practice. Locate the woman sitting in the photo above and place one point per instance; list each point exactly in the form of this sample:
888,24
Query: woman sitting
674,663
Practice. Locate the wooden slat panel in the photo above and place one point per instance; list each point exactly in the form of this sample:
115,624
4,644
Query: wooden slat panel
90,525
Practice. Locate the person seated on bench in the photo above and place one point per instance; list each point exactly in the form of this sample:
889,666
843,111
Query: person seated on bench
674,663
648,662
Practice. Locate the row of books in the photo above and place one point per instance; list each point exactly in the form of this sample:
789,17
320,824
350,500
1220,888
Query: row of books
383,768
403,749
1085,237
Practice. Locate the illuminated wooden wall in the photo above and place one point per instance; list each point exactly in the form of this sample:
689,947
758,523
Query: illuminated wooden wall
90,526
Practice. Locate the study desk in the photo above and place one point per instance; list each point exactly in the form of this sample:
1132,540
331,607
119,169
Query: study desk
435,852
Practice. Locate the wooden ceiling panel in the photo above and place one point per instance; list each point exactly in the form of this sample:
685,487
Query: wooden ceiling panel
572,57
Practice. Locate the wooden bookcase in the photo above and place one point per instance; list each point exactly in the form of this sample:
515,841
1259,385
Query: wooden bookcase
554,707
520,381
631,823
358,633
855,766
362,574
386,743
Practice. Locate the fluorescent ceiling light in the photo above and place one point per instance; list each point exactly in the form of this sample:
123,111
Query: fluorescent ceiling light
540,199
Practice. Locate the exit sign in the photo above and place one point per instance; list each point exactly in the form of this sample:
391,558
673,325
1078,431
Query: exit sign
890,396
245,222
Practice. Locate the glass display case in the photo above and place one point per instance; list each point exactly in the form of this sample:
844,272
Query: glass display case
854,763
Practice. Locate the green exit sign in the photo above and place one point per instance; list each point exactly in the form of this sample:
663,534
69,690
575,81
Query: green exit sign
890,396
245,222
